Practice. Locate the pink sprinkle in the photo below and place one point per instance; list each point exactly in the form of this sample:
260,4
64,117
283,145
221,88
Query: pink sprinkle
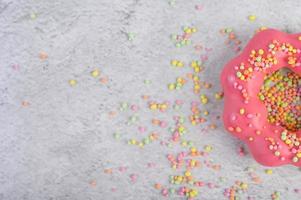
208,49
170,157
194,103
199,7
179,102
150,165
199,183
297,191
122,169
198,47
241,151
164,192
163,124
210,185
235,84
204,57
141,129
16,67
134,108
133,177
233,117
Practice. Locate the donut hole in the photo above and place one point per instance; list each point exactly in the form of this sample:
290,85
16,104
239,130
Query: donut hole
281,94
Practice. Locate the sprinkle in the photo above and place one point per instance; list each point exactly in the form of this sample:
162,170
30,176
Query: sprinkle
208,148
219,95
238,129
72,82
269,171
131,36
33,16
252,18
242,111
104,80
117,136
93,183
158,186
43,55
95,73
25,103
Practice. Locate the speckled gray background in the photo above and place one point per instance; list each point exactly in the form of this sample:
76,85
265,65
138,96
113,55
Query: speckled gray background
54,147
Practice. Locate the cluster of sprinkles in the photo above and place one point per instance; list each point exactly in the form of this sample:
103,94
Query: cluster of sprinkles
232,40
186,184
183,182
172,132
281,93
181,40
238,188
96,73
274,94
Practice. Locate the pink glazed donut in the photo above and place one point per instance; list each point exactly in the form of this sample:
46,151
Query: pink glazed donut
245,116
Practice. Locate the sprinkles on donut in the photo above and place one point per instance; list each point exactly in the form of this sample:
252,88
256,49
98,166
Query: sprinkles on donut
262,97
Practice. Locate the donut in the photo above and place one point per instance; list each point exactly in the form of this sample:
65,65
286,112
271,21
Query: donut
262,94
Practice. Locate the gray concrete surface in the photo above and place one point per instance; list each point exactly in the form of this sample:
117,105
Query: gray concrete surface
57,145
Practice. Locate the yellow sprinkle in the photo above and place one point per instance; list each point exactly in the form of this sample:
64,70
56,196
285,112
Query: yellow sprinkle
208,148
180,64
188,30
260,52
218,95
95,73
153,106
193,150
193,64
171,86
174,62
132,141
269,171
299,38
193,193
244,186
72,82
252,18
187,173
163,106
242,111
204,99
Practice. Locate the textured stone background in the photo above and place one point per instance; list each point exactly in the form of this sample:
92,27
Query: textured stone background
60,143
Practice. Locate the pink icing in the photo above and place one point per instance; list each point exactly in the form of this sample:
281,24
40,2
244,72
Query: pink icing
251,125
